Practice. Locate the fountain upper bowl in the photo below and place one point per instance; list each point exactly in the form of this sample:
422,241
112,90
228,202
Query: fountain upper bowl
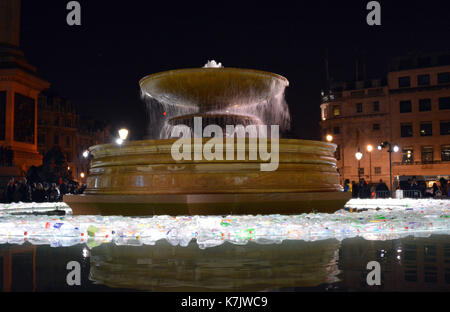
211,89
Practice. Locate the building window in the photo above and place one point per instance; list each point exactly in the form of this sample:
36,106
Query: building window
377,170
361,171
427,154
406,130
336,130
444,103
359,107
424,105
408,155
445,128
443,77
68,123
405,106
376,127
376,106
423,80
404,82
56,139
67,140
426,129
445,152
336,111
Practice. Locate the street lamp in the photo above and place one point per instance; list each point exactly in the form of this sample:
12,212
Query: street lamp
329,137
358,156
391,149
123,134
86,154
82,175
370,149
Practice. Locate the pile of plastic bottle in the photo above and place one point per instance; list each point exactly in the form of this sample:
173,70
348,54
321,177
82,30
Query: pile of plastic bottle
385,221
25,208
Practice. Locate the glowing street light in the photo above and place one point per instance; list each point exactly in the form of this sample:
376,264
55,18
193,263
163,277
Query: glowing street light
86,154
82,175
119,141
123,134
329,137
358,156
370,149
391,149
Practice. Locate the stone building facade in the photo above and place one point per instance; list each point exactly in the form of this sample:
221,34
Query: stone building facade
59,123
410,108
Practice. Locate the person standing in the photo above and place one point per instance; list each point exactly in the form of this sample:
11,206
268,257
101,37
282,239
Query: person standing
355,190
24,191
10,189
39,194
347,186
53,194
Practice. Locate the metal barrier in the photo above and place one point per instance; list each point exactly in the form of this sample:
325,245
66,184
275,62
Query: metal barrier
412,194
382,194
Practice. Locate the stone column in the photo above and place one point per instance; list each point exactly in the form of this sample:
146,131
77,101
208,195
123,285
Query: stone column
10,22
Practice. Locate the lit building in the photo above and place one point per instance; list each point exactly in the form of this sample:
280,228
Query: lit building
59,124
411,108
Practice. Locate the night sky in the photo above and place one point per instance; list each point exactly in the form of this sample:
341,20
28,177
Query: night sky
98,65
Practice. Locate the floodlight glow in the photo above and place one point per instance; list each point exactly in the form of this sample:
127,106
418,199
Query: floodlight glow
119,141
358,155
329,138
396,148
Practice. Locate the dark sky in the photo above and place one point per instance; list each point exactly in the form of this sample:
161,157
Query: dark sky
98,65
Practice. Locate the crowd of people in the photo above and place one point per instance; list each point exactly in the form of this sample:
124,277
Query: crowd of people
366,190
411,188
22,191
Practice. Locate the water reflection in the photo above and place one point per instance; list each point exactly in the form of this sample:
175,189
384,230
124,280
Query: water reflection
228,267
407,264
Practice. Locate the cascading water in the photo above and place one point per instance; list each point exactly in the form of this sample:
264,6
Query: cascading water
245,101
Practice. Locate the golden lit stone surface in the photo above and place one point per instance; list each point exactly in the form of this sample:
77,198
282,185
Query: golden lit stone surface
142,178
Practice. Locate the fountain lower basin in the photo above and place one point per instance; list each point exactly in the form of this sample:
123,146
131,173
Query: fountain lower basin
142,178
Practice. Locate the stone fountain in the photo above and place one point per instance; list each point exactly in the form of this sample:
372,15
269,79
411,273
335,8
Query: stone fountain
143,178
